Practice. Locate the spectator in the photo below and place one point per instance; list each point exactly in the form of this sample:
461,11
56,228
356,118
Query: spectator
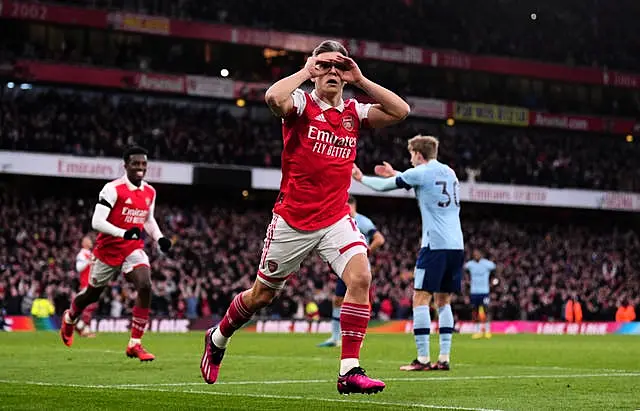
573,311
540,262
626,312
42,307
90,125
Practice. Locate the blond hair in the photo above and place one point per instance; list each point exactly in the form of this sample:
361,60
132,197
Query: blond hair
425,145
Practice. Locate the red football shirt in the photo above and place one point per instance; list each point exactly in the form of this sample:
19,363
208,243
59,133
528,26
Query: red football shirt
83,266
131,206
320,143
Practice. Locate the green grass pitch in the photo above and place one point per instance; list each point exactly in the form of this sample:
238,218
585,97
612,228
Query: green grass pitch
287,372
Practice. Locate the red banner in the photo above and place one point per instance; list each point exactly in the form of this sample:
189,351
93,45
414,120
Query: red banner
566,122
162,83
583,123
305,43
69,74
53,14
623,126
517,67
226,89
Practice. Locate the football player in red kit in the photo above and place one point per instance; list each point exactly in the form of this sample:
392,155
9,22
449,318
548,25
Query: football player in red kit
125,208
84,259
320,132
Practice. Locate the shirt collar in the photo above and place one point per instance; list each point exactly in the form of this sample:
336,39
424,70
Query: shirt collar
324,105
132,186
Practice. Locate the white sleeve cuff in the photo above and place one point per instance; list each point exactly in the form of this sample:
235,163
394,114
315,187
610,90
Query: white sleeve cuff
299,101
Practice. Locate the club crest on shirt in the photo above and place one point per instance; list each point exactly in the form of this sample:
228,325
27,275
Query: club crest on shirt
348,122
272,265
148,201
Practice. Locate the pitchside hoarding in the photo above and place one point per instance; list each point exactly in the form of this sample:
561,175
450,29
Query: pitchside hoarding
101,168
300,326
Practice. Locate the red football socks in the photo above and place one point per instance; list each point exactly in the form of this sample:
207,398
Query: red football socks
88,312
139,321
237,315
354,319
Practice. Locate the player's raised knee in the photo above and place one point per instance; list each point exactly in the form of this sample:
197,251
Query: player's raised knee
356,274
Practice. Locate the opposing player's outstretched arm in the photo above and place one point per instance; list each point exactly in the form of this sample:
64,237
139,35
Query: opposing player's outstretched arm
390,109
390,179
375,183
379,183
106,200
377,241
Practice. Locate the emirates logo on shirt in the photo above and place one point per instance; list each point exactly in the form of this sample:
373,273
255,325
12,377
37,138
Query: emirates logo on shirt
329,144
134,215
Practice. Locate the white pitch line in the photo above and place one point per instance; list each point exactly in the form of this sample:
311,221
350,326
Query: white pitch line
268,396
504,377
399,379
398,362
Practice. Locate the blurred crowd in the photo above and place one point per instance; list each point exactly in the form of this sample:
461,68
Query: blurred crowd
594,33
93,124
541,266
164,54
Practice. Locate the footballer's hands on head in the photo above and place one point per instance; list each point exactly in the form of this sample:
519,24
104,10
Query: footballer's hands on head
356,173
348,70
133,234
317,66
385,170
164,244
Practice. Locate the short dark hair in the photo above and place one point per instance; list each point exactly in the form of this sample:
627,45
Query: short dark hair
328,46
351,199
133,150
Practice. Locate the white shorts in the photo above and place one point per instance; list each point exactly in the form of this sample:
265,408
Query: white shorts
102,273
285,248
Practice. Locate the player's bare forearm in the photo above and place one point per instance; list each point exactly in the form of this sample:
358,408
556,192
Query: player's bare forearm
278,96
377,242
391,107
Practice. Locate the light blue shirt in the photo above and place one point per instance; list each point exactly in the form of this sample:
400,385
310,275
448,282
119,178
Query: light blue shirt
438,194
480,272
366,227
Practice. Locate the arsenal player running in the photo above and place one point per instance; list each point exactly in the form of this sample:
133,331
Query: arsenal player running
83,267
125,207
320,133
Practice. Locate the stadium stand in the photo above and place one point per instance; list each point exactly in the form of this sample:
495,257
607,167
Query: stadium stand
98,124
496,27
542,261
